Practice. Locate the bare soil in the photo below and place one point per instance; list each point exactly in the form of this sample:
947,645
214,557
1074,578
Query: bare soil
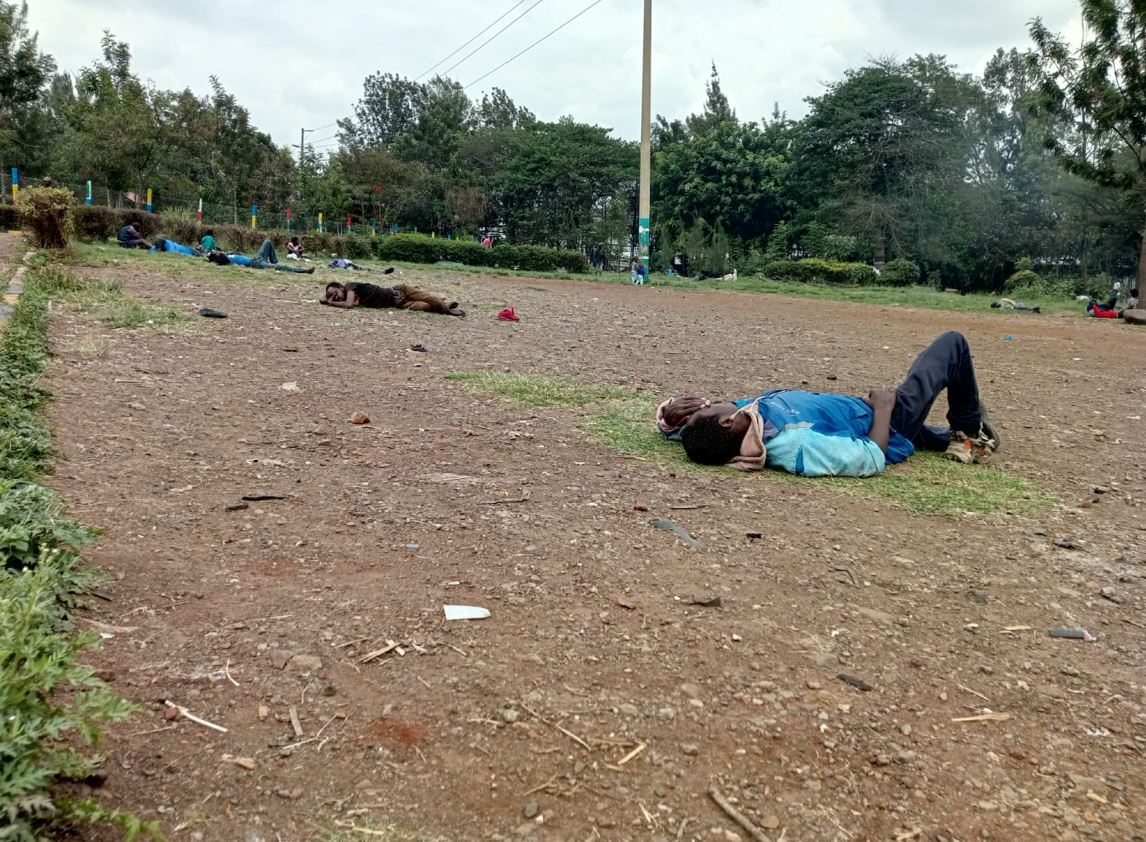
518,725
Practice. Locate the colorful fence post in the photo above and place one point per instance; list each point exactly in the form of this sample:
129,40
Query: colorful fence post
288,219
320,222
374,228
15,183
199,213
349,224
254,216
88,197
149,200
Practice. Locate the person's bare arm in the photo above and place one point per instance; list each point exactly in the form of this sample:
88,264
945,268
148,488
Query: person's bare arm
882,402
350,301
680,409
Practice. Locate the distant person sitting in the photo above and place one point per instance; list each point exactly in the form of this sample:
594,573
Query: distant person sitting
487,241
130,238
267,258
400,296
207,241
294,249
1132,303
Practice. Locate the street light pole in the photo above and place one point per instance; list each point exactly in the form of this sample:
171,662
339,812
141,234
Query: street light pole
643,229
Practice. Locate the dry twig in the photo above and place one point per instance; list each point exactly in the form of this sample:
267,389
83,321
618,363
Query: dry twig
745,823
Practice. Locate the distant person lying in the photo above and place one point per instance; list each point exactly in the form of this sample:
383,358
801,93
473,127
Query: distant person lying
823,434
1011,304
267,258
401,296
164,244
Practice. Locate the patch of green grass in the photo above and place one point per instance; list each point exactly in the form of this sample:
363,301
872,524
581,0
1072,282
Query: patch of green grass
931,485
536,390
628,428
911,296
107,301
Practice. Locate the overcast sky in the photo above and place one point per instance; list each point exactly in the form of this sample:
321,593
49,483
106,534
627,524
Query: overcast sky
301,64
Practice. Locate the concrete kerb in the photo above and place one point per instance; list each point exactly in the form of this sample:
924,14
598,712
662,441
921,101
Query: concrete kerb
14,289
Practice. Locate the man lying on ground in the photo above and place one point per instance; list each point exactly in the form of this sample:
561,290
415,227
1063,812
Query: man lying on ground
818,434
162,244
401,296
130,238
267,258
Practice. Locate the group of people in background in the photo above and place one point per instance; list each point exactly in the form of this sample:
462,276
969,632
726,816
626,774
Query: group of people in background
343,296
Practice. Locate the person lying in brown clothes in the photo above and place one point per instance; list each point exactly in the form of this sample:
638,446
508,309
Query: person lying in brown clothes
401,296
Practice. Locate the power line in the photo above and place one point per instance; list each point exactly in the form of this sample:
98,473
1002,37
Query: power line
321,139
534,44
467,43
320,128
492,37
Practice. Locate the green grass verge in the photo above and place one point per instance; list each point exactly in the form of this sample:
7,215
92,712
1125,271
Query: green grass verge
911,296
107,301
536,390
51,707
622,419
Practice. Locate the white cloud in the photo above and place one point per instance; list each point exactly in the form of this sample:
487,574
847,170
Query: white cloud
303,65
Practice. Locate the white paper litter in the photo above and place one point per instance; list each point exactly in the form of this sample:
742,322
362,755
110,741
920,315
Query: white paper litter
465,612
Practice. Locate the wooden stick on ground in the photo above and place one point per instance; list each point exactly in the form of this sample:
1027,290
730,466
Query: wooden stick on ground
631,755
378,653
564,731
294,723
752,830
189,715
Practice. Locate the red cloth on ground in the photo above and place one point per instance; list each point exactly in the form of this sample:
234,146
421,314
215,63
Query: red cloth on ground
507,315
1099,313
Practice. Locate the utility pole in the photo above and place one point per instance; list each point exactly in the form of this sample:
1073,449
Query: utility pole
301,153
302,145
643,230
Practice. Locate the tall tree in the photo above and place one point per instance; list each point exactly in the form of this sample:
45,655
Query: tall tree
24,73
1102,89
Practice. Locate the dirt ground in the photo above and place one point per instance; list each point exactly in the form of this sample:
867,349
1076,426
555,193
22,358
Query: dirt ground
596,702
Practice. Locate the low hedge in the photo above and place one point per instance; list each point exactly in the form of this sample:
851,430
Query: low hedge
900,273
813,270
95,222
101,223
9,218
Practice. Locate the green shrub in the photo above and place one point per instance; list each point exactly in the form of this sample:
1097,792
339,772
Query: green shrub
1023,279
9,218
357,248
813,270
900,273
95,223
46,215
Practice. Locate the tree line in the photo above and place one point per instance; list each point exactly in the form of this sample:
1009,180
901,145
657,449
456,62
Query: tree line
1038,160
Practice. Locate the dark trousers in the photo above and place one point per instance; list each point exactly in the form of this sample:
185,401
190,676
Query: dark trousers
944,364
